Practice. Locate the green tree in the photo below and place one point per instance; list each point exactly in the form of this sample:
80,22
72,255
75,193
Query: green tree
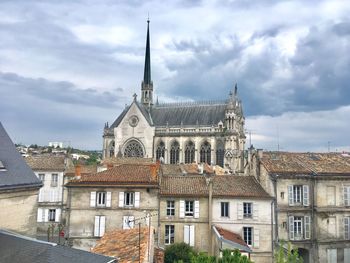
289,256
178,252
202,257
229,256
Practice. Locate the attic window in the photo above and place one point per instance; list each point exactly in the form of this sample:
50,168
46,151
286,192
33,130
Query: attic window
2,166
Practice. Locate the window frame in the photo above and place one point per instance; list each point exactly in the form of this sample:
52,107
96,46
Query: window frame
170,208
189,208
50,213
248,235
169,236
297,194
100,195
247,206
41,177
54,183
131,196
225,209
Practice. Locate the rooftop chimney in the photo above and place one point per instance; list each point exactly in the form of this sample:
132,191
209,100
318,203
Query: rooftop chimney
109,166
78,171
154,168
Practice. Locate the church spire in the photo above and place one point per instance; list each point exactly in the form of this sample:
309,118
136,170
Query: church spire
147,84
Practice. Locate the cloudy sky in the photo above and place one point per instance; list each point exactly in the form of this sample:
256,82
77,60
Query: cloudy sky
67,67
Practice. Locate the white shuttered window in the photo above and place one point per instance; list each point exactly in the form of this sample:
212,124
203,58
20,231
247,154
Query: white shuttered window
100,226
189,234
182,209
121,199
92,199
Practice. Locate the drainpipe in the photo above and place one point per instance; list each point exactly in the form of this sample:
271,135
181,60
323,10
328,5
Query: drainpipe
210,199
276,236
68,211
313,221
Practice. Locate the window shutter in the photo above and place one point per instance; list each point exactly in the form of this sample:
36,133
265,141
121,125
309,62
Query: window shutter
256,237
46,215
290,195
255,211
40,215
346,195
137,199
121,199
182,209
102,225
58,215
307,227
306,194
92,199
126,222
239,210
131,221
41,193
346,228
186,234
97,226
109,199
192,235
196,209
291,227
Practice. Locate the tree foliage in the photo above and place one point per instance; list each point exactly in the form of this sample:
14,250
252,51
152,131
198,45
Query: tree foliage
289,256
179,253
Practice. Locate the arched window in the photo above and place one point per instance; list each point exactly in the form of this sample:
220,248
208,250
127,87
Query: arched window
133,149
174,152
189,152
111,149
205,153
160,152
220,152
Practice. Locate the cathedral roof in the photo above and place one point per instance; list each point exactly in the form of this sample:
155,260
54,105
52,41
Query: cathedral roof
177,114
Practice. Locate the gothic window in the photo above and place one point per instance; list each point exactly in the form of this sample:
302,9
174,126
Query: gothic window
174,152
111,149
220,152
189,152
133,149
205,153
160,152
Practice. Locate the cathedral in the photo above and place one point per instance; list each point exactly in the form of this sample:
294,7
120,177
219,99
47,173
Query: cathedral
186,132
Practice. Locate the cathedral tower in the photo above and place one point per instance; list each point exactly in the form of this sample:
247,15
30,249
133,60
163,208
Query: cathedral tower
147,84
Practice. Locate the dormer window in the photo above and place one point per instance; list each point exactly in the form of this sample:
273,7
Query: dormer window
2,166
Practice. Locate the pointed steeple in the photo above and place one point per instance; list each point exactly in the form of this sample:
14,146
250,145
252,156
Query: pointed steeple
147,84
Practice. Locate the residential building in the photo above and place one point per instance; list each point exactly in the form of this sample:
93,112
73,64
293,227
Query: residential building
19,188
15,248
199,132
312,192
212,212
240,205
120,197
50,214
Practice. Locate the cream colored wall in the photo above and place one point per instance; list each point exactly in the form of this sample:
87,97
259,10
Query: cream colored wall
200,224
143,132
262,223
18,210
82,216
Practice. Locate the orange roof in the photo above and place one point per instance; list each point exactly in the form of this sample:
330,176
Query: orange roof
306,163
146,174
85,169
124,244
231,236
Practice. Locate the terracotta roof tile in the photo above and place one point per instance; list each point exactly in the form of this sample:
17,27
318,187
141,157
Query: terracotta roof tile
115,160
238,186
124,244
122,174
191,168
231,236
46,163
306,163
184,186
85,170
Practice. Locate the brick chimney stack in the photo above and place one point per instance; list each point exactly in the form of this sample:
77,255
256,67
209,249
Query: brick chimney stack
154,169
109,166
78,171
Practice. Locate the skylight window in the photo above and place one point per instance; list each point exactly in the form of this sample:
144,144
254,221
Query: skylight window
2,166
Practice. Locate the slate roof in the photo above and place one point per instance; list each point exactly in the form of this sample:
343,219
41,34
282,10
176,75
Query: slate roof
16,248
238,186
306,163
46,163
188,114
17,174
138,174
223,186
124,244
177,114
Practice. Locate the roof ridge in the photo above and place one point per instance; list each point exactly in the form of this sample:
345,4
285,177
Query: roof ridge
191,103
